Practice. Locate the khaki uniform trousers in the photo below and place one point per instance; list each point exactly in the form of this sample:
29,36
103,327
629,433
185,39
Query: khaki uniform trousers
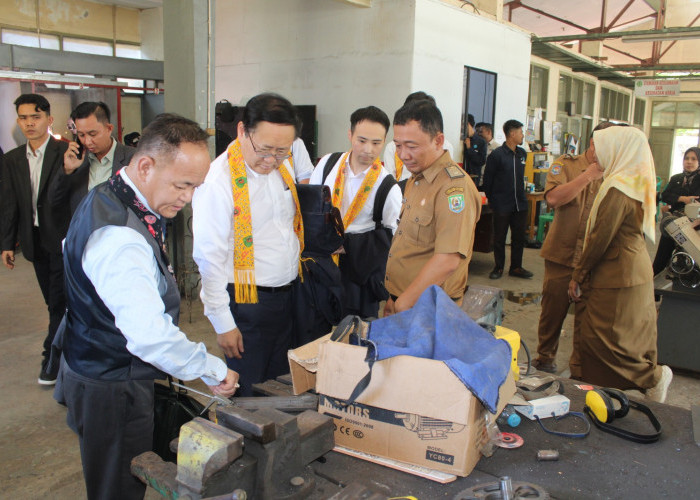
555,306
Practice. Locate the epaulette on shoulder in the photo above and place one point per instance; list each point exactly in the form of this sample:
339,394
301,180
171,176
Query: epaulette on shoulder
454,171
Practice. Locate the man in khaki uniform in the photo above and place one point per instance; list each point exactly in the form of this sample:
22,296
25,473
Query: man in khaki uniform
572,185
434,239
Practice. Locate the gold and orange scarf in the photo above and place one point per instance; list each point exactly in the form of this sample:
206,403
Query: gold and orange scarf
243,248
399,166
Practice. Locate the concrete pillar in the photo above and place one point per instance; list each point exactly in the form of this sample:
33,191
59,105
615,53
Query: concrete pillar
189,91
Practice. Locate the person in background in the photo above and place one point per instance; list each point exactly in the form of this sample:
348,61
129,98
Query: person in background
618,345
485,131
132,139
473,152
505,189
682,189
26,215
93,160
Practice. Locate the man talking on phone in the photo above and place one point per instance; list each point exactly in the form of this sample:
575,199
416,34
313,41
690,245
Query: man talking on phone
91,159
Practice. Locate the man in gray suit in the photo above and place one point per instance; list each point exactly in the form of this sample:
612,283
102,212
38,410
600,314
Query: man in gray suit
92,161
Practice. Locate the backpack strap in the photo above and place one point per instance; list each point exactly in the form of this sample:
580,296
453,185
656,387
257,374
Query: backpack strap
380,199
330,163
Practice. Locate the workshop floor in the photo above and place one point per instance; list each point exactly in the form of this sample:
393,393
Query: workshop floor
39,456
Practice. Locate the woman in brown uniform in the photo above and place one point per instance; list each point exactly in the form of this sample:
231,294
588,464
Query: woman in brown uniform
618,328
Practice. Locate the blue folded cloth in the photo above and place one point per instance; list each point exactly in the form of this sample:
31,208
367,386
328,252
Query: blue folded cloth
436,328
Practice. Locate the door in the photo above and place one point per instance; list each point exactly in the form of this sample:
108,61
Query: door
479,96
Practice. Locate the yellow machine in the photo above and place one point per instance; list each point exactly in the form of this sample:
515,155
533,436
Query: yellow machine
513,338
535,162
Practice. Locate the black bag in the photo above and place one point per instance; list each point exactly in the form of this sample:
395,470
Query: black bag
172,407
323,226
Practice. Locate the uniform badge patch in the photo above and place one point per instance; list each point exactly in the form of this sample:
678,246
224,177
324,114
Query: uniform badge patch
456,203
556,169
453,190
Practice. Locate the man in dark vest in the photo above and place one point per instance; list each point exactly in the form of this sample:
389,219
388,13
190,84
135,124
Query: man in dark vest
123,304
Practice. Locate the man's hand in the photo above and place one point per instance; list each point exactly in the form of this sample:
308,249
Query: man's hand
8,258
468,142
231,343
70,159
400,305
389,307
687,199
594,172
574,291
227,386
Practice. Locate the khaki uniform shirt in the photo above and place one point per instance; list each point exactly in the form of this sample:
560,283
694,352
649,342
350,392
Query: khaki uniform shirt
564,242
439,214
616,254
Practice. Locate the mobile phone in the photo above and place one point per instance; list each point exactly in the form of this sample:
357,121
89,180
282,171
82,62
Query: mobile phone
81,148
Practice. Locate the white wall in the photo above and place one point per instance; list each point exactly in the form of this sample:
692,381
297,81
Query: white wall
446,40
335,55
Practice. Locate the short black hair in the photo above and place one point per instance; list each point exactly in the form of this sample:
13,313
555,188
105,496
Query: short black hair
419,96
424,112
164,135
372,114
40,102
86,109
470,119
273,108
484,125
511,125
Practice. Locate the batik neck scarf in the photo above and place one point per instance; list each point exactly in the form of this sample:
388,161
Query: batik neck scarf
243,249
154,225
399,166
362,194
688,177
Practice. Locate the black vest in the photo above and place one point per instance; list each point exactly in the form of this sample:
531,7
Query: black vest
93,346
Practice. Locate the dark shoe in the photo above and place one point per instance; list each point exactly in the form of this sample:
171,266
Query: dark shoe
46,378
519,272
545,366
495,274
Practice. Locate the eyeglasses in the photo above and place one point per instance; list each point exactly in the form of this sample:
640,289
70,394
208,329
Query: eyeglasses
279,155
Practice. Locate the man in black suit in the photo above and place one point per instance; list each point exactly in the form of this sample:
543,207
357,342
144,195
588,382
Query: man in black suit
27,216
100,158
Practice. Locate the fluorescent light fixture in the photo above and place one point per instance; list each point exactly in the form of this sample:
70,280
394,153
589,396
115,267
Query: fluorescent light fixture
655,37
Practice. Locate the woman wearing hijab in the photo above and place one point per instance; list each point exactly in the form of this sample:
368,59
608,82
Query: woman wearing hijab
682,188
618,327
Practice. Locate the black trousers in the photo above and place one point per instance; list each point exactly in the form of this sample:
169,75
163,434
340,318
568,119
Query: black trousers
48,267
267,329
663,252
517,221
114,423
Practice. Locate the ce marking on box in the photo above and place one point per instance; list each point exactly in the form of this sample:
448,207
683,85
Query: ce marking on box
347,431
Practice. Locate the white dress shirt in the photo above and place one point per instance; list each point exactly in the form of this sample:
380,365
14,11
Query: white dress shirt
390,163
363,222
302,162
121,266
36,161
276,247
101,170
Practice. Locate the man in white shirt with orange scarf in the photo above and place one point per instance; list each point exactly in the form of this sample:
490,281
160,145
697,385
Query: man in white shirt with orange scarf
369,200
248,236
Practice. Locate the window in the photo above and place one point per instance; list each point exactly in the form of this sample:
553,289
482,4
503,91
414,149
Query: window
127,50
479,96
539,80
30,39
684,115
88,46
614,106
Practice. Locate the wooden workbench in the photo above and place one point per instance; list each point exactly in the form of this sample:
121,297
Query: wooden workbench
598,466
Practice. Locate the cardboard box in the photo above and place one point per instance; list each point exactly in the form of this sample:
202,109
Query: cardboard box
414,410
303,365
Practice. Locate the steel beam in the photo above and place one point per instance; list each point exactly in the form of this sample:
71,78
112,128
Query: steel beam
619,15
620,34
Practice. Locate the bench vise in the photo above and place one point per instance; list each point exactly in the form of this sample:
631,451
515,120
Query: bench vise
248,455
